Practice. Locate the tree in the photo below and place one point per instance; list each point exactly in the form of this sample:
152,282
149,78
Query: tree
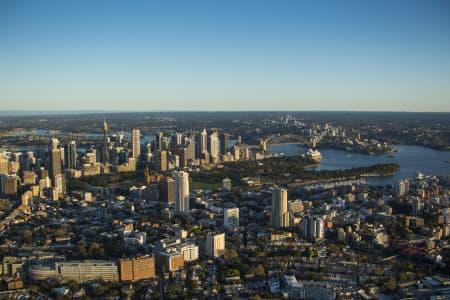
95,250
80,251
100,291
27,236
233,273
230,253
391,285
259,270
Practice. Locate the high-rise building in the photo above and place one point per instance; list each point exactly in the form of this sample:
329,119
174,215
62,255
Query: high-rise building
70,155
161,161
313,227
236,153
28,177
417,206
159,141
190,147
231,217
181,189
166,191
189,251
4,165
27,198
280,214
169,259
55,158
79,271
183,157
403,187
27,161
135,269
203,141
136,141
214,148
104,157
8,184
215,244
178,138
224,143
59,183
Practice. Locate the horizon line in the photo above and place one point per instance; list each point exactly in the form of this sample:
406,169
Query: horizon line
4,113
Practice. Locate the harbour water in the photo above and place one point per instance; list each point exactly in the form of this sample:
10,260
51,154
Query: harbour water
412,159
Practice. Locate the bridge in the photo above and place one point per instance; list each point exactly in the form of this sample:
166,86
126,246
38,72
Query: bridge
287,139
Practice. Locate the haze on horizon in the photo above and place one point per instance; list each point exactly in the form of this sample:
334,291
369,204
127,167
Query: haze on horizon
225,55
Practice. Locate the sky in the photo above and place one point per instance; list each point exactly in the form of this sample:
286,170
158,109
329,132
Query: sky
369,55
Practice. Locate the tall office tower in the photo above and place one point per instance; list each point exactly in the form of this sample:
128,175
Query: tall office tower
161,161
178,138
105,152
120,138
214,149
231,217
313,227
61,149
4,165
181,189
203,141
136,141
59,183
236,153
224,143
417,206
280,215
27,161
215,244
8,184
190,148
159,141
166,190
55,158
70,153
183,157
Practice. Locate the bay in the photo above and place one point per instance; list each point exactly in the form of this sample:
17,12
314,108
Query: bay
412,160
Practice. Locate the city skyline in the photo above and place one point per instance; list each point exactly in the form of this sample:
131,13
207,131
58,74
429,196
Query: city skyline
225,56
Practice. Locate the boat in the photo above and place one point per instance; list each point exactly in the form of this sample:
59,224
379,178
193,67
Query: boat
313,154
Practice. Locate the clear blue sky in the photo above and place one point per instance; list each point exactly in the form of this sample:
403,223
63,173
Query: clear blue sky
225,55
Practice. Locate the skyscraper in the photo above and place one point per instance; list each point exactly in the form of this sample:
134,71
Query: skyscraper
70,155
166,191
55,158
179,138
280,215
224,143
313,227
136,141
181,189
161,161
403,187
190,147
105,152
203,141
214,149
159,141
